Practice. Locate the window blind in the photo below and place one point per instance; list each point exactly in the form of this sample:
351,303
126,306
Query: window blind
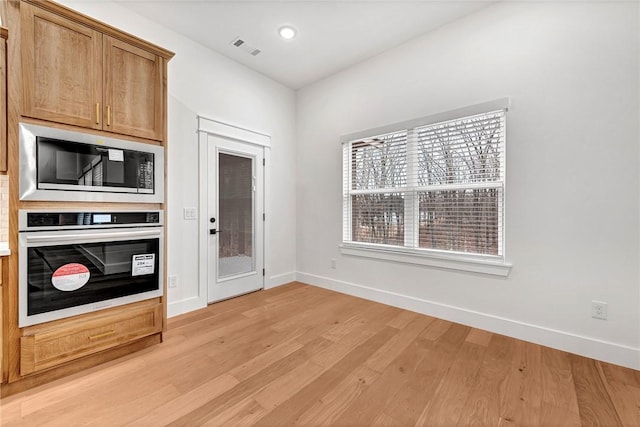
438,187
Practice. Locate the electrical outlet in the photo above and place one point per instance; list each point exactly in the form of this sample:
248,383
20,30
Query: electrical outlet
173,281
333,263
599,310
189,213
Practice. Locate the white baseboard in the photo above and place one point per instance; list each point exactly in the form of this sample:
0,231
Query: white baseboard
584,346
176,308
280,279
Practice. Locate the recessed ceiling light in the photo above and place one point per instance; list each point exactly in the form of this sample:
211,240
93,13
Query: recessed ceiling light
287,32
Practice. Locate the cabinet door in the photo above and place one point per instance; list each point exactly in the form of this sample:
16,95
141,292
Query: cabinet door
3,105
1,323
133,90
45,348
61,68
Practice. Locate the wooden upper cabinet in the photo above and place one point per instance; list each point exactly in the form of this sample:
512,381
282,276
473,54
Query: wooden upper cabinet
77,75
133,95
3,104
61,69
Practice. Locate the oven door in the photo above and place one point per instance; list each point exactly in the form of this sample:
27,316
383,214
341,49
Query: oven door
66,273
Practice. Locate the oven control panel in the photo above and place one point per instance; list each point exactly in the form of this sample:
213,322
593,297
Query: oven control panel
49,220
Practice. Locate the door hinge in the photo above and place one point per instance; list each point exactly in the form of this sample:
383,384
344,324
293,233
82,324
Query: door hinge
264,216
264,162
263,271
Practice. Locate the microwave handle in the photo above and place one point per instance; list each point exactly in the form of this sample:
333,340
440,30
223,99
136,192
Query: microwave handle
57,238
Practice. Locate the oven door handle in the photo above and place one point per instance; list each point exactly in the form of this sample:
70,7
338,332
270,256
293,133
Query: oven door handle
56,238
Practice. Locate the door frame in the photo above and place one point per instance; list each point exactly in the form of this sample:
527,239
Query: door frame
210,127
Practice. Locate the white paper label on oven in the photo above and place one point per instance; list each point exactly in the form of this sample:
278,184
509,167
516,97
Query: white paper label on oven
143,264
70,277
116,155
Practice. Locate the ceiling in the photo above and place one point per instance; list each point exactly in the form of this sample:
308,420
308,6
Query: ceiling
332,35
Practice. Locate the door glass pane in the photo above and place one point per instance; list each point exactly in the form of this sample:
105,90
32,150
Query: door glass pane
235,215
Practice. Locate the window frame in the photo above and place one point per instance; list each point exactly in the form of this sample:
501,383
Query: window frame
478,263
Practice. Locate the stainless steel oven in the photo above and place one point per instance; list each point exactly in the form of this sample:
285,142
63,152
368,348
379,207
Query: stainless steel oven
76,262
63,165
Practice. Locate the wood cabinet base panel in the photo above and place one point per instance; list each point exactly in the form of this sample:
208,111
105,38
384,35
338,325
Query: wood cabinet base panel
78,365
53,346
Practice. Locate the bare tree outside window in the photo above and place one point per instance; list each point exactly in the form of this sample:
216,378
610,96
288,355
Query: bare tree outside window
379,164
378,218
437,187
466,152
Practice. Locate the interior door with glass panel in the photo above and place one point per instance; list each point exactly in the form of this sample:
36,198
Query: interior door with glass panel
236,208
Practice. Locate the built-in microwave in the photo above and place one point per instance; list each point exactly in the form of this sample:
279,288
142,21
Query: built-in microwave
63,165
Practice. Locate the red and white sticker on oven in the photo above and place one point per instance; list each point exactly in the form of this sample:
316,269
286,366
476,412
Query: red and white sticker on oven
70,277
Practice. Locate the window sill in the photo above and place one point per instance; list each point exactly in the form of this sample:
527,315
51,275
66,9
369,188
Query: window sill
408,256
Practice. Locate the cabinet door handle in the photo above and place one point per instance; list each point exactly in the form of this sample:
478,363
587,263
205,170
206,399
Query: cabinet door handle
102,335
108,115
97,113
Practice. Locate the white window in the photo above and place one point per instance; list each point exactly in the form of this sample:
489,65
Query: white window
428,190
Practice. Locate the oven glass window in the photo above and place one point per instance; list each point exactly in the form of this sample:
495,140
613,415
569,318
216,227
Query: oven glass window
64,276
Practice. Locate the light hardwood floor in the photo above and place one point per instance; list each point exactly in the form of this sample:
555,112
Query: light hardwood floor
302,355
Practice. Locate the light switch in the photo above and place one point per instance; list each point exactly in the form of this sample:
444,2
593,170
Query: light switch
190,213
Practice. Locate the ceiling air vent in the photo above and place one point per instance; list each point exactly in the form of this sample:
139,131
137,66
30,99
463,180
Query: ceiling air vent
243,45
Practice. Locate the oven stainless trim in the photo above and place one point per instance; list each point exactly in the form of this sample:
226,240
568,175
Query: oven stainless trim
28,169
103,189
43,238
22,219
40,239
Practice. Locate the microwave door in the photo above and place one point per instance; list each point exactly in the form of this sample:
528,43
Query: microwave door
63,165
55,165
118,169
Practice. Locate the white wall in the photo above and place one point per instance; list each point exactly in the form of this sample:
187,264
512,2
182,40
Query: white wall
573,200
571,70
203,82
